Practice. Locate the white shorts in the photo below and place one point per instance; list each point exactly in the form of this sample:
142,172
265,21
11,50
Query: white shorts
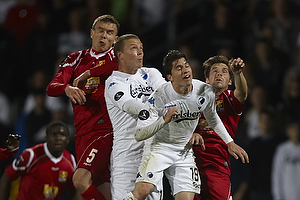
123,177
180,170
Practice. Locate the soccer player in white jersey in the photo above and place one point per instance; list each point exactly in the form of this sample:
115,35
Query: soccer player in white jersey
171,118
126,91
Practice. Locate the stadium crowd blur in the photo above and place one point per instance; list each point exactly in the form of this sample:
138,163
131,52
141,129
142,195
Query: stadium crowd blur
36,35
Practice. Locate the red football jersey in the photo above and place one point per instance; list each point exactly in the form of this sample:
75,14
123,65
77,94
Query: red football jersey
229,110
42,175
93,114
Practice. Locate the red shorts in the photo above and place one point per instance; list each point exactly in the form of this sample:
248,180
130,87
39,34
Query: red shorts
93,153
214,185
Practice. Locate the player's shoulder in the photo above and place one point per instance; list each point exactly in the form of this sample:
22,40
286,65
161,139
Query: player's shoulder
114,77
68,154
70,157
37,151
73,58
28,156
202,86
149,70
163,90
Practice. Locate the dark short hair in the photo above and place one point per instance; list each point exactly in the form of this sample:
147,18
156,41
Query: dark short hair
53,124
214,60
119,45
172,55
107,19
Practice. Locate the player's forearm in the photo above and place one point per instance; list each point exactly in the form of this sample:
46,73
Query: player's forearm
215,122
223,133
145,132
56,89
241,88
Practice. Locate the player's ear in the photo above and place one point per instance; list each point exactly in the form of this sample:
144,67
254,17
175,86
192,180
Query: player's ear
92,33
207,80
169,77
116,38
230,82
119,53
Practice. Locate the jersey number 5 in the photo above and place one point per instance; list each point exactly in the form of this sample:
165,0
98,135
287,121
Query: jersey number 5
91,155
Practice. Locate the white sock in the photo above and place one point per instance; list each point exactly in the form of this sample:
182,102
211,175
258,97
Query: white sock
129,196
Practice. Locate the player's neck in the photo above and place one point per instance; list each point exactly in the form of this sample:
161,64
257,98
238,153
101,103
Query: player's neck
182,89
218,92
127,70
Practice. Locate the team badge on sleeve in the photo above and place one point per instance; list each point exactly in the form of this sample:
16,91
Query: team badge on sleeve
118,96
144,114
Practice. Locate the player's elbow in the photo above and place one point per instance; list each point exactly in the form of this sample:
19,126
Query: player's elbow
137,137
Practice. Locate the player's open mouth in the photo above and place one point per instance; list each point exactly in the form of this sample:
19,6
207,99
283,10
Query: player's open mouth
58,145
187,77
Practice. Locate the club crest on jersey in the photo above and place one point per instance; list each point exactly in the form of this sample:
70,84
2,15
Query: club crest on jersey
63,175
101,62
145,76
200,101
118,95
144,114
220,106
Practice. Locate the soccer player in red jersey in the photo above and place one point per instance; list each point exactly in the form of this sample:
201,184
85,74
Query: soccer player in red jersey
12,146
46,169
213,162
93,129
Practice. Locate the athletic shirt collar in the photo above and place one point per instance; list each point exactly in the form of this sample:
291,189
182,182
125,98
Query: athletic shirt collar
97,54
52,158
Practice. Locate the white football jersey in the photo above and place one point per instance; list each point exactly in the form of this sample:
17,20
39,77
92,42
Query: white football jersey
120,88
190,106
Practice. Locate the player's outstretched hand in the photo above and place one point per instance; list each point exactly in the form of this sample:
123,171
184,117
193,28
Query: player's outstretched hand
76,95
81,79
13,142
197,139
237,65
236,151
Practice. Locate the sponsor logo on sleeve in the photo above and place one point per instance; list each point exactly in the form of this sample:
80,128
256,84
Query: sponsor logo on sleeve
118,95
18,161
144,114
